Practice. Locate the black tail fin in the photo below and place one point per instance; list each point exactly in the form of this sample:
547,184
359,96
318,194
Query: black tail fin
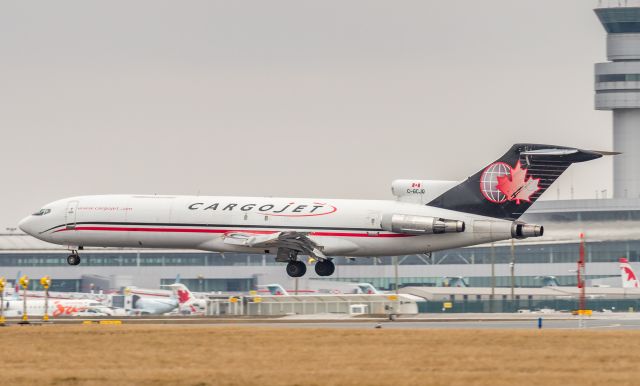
510,185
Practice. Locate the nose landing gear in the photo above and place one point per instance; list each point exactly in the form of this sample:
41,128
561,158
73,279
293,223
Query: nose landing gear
73,258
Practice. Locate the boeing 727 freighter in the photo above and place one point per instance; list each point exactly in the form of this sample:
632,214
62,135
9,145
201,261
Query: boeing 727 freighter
426,216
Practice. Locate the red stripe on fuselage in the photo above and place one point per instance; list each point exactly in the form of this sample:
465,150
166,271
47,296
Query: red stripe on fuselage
346,234
195,230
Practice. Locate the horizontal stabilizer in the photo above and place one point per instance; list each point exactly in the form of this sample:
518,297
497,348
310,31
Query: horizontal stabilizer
604,152
569,154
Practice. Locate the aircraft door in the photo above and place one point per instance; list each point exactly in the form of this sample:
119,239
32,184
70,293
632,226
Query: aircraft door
70,214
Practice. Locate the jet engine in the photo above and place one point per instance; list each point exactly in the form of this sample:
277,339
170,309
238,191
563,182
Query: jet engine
420,225
521,230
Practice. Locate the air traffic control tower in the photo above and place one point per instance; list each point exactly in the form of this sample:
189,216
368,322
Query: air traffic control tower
617,88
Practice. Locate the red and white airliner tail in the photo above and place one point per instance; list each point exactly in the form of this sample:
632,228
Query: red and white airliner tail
628,276
426,216
186,299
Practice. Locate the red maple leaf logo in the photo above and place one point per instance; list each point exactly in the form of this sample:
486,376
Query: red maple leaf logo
630,275
516,187
183,296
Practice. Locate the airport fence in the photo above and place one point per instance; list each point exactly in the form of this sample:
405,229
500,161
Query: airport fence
520,305
274,305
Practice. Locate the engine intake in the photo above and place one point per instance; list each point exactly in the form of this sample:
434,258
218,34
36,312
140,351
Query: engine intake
522,231
420,225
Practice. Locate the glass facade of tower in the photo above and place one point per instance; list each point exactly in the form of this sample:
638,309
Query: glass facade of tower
620,20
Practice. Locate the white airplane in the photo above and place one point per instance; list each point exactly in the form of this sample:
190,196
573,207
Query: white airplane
149,302
153,306
273,289
56,307
186,299
357,288
158,301
427,216
367,288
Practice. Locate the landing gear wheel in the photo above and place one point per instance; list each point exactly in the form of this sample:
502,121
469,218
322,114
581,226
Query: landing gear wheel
325,268
73,259
296,269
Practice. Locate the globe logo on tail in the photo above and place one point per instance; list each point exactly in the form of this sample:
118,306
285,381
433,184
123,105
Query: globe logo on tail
500,182
489,182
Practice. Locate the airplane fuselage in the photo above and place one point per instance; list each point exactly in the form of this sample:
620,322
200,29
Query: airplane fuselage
427,216
54,307
341,227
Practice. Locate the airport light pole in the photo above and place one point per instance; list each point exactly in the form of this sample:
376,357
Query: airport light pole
46,283
201,283
24,282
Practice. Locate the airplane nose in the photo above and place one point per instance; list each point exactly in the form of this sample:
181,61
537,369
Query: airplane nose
26,225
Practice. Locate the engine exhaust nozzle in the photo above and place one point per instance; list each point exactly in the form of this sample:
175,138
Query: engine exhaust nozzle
522,231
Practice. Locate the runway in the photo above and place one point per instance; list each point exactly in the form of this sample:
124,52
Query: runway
558,321
520,325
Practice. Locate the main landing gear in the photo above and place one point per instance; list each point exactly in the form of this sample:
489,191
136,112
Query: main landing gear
73,258
297,268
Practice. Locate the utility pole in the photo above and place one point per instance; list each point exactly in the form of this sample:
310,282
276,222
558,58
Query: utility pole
581,273
395,273
493,277
512,265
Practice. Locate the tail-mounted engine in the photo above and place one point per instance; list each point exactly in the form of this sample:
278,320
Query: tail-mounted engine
520,230
420,225
420,191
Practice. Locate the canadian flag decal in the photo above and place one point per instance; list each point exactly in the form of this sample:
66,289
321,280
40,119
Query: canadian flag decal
516,186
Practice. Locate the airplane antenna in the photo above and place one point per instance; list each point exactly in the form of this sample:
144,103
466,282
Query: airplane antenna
572,191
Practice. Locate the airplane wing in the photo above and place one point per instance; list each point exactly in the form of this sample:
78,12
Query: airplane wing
296,241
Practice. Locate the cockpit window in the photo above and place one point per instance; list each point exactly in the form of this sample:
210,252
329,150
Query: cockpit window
42,212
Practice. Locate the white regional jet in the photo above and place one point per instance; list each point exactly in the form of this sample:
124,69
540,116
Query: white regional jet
427,216
158,302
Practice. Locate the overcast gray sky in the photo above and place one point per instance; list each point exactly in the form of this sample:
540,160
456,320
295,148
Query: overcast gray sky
288,97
